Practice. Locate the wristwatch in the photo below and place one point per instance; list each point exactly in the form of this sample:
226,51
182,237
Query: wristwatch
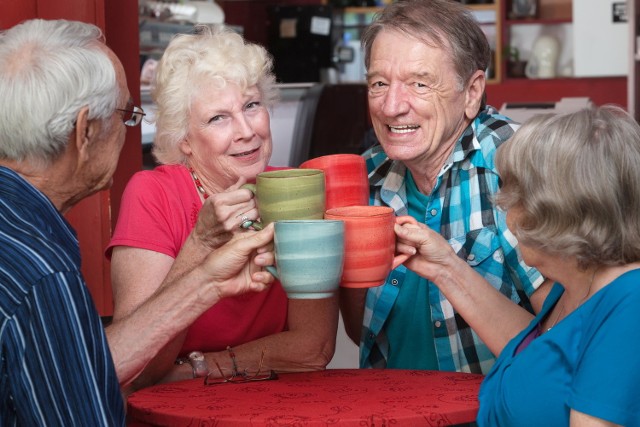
198,364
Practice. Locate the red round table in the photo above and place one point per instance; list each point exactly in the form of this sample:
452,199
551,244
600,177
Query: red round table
357,397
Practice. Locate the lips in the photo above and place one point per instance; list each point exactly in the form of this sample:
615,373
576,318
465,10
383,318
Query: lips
245,153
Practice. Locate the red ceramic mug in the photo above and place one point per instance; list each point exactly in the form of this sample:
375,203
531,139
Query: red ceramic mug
369,244
346,181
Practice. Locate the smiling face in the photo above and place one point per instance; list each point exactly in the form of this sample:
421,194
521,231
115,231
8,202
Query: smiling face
229,134
418,107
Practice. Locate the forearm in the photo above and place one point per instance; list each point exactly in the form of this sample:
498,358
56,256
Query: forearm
352,302
137,338
495,318
307,345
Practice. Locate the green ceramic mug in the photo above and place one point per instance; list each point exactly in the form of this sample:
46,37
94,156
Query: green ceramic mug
288,194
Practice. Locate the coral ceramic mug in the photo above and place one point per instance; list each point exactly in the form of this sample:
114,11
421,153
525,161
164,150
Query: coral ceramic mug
288,194
346,180
369,244
309,257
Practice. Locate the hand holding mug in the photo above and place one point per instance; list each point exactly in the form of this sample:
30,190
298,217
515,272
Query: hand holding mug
370,244
425,250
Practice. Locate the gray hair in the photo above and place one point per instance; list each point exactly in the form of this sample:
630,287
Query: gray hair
576,179
217,55
49,71
443,24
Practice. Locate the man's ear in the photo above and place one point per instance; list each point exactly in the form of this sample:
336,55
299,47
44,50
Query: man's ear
85,132
475,93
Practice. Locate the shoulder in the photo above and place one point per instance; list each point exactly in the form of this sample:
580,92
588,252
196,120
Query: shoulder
166,179
492,128
489,130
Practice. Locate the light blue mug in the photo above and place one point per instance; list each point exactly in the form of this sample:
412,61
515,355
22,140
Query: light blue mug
309,257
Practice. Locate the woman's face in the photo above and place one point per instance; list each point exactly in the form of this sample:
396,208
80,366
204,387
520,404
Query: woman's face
229,134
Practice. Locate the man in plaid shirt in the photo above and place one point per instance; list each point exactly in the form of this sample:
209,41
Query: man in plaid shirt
426,62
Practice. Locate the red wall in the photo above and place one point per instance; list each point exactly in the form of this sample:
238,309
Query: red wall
93,217
605,90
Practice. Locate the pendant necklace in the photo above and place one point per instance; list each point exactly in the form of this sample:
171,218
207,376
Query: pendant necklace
561,310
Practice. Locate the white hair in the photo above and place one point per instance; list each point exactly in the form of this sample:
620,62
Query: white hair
49,71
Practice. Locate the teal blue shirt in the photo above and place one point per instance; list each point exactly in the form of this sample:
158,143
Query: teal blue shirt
404,350
586,362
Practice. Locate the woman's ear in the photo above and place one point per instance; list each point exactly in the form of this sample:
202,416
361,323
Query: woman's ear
475,93
185,147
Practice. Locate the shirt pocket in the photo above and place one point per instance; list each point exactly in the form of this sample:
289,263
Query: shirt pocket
478,247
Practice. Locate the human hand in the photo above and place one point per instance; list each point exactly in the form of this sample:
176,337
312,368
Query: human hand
428,251
236,267
223,213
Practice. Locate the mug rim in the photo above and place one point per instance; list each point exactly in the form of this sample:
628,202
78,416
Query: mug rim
330,157
303,221
290,173
346,211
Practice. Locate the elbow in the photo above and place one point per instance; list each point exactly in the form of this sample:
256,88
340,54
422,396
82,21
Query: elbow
317,355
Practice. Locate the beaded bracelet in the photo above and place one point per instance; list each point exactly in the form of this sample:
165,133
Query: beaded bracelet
232,355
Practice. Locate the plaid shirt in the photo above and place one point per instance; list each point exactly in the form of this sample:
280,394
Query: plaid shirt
476,231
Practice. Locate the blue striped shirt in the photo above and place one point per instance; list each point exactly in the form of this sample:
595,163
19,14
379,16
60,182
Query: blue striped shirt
56,367
460,209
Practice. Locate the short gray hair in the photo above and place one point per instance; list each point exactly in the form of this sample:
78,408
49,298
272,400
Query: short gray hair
215,54
444,24
49,71
576,178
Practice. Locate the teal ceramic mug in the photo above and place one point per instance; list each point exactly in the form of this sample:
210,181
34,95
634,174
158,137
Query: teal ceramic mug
288,194
309,257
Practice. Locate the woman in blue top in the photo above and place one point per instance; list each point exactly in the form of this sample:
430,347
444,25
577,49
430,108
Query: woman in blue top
571,189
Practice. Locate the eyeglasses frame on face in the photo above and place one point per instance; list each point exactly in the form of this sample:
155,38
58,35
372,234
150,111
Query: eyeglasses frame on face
242,376
137,113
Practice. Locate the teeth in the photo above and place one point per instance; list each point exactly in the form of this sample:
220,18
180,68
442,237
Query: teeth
246,153
403,129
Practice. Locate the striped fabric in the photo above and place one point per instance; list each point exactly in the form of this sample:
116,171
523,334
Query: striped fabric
476,231
56,368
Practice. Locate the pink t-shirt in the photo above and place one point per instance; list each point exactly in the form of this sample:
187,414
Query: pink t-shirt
158,211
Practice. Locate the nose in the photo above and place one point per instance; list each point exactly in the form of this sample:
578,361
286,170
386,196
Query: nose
396,100
243,128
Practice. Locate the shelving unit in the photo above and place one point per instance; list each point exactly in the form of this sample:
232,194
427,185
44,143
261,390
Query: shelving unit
554,17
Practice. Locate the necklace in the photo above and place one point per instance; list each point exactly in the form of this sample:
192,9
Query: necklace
199,186
561,310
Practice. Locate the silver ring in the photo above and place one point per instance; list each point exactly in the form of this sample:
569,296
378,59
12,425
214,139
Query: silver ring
245,222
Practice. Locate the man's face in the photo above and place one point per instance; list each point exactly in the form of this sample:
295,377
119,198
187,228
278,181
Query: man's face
110,139
416,103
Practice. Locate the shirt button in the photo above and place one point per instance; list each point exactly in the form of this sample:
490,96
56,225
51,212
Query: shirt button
372,336
433,212
438,323
394,282
471,257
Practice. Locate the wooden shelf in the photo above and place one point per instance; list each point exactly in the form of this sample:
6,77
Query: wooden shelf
553,21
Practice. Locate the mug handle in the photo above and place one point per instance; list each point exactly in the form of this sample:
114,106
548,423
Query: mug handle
400,259
257,225
272,269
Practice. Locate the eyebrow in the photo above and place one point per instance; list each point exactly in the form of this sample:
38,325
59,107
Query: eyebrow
418,75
